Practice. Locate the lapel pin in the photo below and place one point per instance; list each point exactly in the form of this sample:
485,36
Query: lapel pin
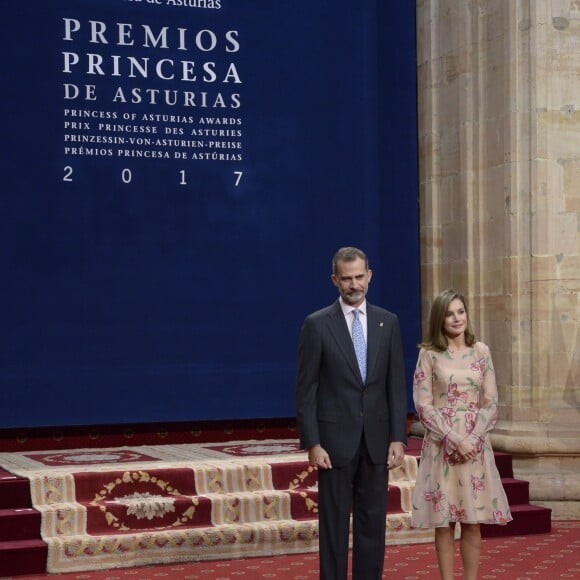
381,324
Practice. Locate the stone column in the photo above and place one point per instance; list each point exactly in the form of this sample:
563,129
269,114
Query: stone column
499,170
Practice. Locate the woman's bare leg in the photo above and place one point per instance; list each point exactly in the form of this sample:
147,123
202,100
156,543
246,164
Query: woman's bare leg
445,548
470,550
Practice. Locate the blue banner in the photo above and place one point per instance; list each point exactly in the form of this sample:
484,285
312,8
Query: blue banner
176,177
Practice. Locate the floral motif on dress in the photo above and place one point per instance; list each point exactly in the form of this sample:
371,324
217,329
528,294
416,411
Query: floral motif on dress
456,514
435,498
455,397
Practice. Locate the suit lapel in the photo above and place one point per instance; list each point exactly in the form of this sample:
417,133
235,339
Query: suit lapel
339,329
375,328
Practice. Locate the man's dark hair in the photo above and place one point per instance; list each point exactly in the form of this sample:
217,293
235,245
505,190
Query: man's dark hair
348,254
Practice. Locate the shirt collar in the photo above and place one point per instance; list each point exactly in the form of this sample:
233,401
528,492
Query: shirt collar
347,308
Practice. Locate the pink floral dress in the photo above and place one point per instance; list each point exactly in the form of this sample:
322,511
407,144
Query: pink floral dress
455,394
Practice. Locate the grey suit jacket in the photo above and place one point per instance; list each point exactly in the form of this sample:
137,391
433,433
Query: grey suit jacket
333,405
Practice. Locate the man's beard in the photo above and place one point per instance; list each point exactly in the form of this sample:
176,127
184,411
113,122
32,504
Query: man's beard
354,297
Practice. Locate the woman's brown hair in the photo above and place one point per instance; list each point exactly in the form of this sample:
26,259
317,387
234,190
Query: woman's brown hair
436,338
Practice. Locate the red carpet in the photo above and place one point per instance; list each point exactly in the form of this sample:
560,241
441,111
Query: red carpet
115,508
554,555
164,505
99,436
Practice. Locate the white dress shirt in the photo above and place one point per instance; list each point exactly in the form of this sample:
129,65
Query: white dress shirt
349,316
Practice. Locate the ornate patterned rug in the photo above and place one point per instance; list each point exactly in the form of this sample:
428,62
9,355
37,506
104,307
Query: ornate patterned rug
553,555
112,508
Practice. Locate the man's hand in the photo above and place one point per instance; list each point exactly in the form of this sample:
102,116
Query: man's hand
317,457
395,455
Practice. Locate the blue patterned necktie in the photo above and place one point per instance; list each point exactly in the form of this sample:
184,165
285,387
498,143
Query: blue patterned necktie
360,345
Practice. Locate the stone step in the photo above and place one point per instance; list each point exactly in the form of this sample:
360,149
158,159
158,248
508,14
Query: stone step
19,524
23,557
528,519
517,490
14,491
216,542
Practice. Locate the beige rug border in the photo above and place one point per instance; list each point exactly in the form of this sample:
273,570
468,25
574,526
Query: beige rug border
166,456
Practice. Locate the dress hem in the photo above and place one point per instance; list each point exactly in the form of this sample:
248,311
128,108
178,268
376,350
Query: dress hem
484,522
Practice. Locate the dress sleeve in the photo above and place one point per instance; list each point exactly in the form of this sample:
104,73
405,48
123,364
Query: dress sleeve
488,403
431,417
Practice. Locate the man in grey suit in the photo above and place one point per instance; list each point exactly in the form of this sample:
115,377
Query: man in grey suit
352,417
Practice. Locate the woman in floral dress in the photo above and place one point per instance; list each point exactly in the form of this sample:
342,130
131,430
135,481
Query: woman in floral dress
455,395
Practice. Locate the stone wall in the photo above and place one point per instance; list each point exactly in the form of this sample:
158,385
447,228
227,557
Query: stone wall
499,170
